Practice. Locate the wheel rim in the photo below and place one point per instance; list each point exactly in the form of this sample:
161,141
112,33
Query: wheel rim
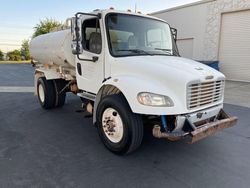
112,125
41,93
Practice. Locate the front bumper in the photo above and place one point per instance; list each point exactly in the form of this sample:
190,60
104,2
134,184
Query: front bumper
200,131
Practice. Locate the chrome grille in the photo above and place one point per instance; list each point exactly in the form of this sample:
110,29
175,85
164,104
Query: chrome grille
202,94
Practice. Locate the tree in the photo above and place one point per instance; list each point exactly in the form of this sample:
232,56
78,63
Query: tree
25,52
46,26
14,55
1,55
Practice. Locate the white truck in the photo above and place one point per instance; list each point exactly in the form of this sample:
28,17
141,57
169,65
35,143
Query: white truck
127,70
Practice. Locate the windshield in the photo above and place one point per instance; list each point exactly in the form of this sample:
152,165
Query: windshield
131,35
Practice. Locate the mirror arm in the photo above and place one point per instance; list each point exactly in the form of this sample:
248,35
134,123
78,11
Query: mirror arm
174,33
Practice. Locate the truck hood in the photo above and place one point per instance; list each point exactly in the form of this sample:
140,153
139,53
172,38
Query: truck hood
166,67
165,75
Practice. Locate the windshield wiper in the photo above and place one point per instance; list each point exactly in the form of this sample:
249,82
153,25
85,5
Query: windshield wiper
137,51
165,50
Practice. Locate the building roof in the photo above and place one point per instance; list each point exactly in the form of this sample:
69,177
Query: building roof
182,6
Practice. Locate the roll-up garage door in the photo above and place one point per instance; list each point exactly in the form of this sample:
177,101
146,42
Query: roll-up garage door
234,52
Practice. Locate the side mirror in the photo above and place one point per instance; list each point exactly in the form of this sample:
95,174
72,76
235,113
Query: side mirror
174,33
76,34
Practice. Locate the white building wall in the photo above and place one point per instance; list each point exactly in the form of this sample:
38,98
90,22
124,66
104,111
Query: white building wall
213,24
201,22
190,21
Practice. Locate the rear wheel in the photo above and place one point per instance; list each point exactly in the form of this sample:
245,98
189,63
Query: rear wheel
46,93
119,128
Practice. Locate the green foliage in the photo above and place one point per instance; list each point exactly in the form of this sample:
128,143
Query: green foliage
46,26
25,52
1,55
14,55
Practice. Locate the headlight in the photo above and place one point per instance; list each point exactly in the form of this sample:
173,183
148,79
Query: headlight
151,99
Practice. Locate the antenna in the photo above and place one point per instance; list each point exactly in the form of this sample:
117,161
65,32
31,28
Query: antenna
135,6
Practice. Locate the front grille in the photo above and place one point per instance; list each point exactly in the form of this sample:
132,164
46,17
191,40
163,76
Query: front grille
206,93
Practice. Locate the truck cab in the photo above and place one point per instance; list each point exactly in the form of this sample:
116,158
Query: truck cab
127,70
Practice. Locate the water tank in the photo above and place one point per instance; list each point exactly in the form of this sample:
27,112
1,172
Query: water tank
53,48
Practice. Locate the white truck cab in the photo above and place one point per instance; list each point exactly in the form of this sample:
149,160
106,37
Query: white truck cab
127,70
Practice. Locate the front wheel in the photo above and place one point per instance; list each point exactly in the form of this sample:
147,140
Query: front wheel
119,128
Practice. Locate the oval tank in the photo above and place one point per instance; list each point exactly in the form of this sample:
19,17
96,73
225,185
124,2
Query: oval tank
53,48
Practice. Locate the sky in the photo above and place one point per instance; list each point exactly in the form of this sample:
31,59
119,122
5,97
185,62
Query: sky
19,17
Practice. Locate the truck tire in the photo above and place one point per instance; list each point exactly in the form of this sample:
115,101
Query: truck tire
119,128
60,95
46,93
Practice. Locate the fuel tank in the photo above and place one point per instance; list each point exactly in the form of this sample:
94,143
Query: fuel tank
53,48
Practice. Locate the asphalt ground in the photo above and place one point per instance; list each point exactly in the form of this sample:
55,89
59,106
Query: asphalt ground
16,75
60,148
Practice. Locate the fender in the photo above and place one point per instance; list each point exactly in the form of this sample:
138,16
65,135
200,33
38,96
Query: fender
49,74
130,86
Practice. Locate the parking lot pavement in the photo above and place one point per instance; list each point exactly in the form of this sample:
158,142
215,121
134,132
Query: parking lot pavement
237,93
15,89
61,148
16,75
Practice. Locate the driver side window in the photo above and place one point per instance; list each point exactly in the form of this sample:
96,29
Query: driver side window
92,40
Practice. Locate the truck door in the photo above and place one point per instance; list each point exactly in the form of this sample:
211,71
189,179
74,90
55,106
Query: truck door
91,74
